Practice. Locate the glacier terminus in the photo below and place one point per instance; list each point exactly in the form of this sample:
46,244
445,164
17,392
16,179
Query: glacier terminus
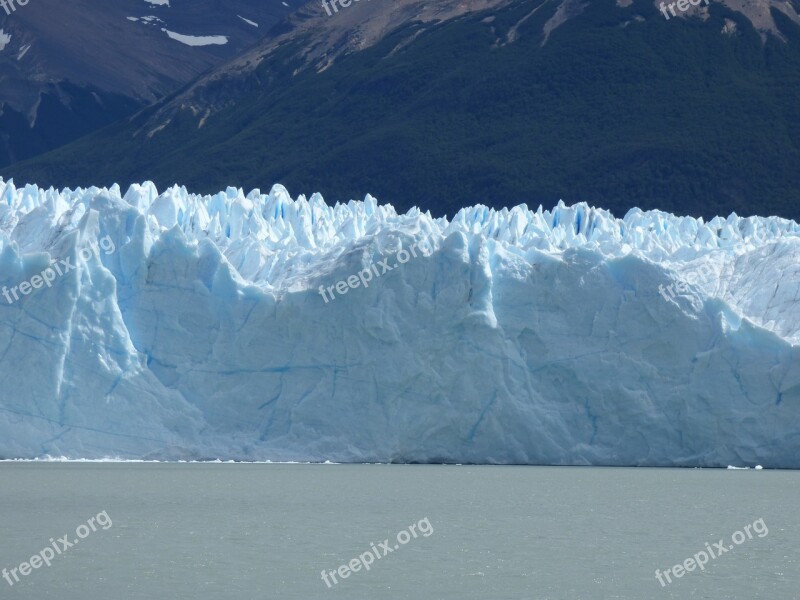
521,337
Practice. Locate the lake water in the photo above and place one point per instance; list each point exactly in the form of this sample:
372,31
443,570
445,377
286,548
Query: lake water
243,531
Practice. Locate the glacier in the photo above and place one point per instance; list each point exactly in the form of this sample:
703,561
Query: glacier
560,337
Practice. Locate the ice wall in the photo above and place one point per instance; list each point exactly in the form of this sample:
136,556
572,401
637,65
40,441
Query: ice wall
514,336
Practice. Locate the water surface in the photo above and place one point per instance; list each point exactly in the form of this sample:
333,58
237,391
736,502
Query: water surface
244,531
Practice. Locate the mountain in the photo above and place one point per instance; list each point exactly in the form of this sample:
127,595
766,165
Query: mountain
450,103
68,68
176,326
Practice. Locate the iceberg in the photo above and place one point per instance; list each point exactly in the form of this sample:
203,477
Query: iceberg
261,327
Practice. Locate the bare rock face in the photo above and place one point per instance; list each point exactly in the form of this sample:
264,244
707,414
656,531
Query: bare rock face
729,28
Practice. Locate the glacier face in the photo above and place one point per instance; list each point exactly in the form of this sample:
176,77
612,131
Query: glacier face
517,336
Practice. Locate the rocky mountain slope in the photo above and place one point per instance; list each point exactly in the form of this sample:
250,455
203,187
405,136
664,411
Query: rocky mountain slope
67,68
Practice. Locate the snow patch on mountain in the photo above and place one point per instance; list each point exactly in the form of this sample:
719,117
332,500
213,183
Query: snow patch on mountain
23,51
197,40
5,39
248,21
541,337
149,19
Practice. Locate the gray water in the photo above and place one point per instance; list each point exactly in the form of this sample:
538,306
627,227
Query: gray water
238,531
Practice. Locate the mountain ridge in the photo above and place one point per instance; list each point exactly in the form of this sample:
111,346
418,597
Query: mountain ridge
619,107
